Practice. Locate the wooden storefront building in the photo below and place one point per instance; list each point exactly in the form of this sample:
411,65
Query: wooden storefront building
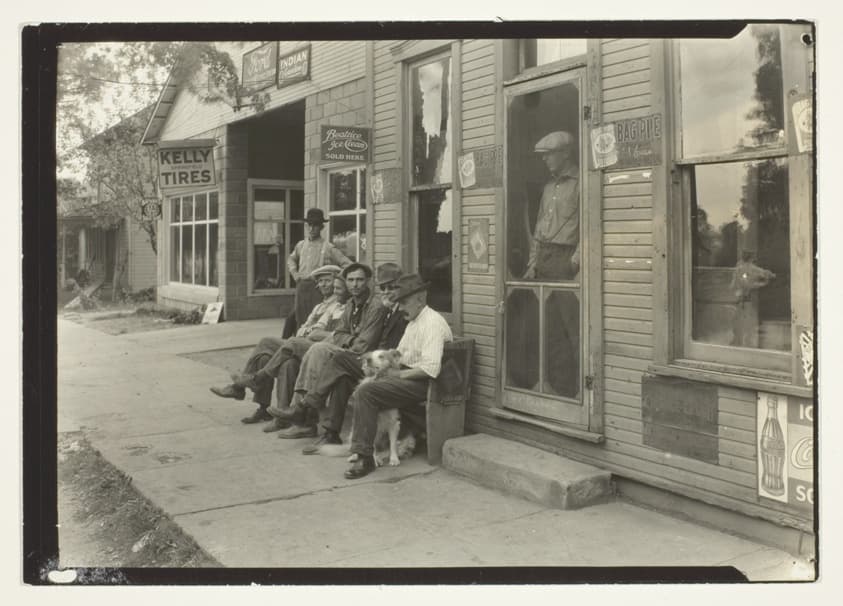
678,352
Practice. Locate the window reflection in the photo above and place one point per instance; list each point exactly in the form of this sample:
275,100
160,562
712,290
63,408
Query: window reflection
431,124
741,254
435,246
732,92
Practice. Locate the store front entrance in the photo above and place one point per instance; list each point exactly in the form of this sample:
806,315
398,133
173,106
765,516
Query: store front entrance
545,307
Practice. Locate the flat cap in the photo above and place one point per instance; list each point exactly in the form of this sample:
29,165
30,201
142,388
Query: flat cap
332,270
554,141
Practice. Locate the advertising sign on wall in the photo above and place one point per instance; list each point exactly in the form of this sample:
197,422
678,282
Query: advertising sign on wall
259,67
786,449
628,143
186,164
345,143
294,67
478,245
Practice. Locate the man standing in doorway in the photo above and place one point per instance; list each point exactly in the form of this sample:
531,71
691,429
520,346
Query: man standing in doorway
555,248
555,256
309,254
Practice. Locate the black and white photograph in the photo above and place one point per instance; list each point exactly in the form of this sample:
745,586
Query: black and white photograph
433,304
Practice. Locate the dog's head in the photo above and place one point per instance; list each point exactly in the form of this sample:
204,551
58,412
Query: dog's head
378,361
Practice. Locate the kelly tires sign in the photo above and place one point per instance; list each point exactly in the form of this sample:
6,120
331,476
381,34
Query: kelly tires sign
186,165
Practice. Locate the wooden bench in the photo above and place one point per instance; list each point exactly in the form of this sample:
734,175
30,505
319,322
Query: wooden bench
444,414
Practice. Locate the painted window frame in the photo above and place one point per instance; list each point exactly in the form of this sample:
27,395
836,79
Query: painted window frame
361,214
746,366
251,186
207,221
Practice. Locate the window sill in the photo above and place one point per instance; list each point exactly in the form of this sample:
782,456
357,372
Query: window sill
273,292
571,432
716,373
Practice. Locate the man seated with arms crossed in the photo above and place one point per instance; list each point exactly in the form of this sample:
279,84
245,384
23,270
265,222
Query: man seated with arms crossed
359,330
342,370
421,350
263,363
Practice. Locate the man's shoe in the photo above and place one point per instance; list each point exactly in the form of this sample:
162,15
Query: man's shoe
259,416
329,437
229,391
244,380
298,431
293,413
276,425
363,466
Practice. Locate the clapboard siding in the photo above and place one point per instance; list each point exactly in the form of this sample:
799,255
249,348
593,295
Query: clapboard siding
332,63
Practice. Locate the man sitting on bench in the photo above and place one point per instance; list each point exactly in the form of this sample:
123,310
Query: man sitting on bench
421,350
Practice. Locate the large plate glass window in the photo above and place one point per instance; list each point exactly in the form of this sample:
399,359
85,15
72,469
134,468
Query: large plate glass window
431,176
194,233
347,211
277,223
737,174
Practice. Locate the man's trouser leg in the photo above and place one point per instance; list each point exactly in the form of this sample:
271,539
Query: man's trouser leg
386,393
339,364
261,354
287,374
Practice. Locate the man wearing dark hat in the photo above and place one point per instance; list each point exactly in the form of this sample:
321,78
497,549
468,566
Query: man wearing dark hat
308,254
265,359
359,331
421,350
343,369
555,248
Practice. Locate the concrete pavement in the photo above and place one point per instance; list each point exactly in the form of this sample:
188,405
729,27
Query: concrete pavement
252,500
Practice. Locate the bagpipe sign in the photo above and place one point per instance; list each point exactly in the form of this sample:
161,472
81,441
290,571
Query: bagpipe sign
186,164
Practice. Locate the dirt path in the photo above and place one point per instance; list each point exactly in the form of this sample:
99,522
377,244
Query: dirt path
104,522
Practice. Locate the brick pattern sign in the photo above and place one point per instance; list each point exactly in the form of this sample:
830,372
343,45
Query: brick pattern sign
680,417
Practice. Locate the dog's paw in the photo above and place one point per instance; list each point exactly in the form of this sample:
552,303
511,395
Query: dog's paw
394,461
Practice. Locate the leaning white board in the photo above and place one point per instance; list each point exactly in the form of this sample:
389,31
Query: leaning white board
212,313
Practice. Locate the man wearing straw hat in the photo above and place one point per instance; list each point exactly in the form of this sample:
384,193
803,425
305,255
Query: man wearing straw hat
308,254
421,350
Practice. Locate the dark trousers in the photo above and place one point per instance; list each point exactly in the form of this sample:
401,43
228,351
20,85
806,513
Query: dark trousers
260,356
337,379
553,262
383,394
286,373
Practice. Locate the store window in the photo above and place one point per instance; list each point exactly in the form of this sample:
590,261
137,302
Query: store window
277,223
346,188
541,51
194,233
431,167
736,166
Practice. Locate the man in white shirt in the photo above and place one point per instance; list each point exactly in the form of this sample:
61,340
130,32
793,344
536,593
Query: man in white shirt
421,350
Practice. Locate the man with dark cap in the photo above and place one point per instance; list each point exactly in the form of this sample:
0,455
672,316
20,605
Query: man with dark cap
421,350
308,254
555,248
343,370
555,256
359,331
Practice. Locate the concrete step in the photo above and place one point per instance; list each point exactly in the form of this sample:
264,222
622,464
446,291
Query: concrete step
527,472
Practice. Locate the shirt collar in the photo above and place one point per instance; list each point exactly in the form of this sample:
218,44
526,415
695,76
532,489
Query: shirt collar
570,172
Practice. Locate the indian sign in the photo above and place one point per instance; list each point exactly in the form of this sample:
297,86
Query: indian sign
186,164
345,143
628,143
294,67
259,67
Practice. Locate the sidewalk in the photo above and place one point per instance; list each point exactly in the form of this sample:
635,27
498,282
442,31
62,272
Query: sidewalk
252,500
